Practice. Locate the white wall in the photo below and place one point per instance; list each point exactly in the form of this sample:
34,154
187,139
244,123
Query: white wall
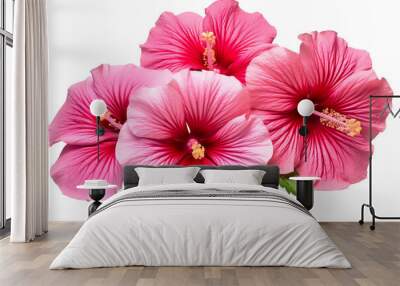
86,33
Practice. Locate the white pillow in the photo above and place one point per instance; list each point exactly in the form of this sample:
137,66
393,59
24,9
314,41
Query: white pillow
247,177
165,176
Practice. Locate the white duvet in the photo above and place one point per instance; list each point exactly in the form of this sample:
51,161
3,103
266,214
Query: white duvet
200,231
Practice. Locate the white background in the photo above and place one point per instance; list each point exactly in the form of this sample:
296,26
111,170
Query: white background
86,33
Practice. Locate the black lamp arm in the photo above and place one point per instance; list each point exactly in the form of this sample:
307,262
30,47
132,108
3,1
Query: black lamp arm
303,131
303,128
99,132
99,129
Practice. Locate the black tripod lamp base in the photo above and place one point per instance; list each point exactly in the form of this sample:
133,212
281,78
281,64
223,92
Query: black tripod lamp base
305,193
96,195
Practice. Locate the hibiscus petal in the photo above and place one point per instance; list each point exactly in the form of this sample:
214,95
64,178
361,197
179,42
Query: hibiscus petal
188,160
133,150
239,67
74,124
285,137
276,81
174,43
79,163
242,141
240,36
328,60
338,159
114,84
210,99
351,98
157,113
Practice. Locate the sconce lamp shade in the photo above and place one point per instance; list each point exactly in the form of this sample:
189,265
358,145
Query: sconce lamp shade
305,107
98,107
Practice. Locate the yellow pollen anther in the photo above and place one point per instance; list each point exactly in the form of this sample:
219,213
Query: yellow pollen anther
109,121
208,37
334,119
209,54
198,151
354,127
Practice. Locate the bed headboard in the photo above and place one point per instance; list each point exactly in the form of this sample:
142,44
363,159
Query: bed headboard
271,177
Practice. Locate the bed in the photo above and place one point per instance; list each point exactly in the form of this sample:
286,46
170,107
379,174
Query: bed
198,224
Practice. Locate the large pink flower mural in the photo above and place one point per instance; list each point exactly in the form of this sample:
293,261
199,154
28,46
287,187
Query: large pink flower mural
197,118
338,79
76,126
225,40
232,100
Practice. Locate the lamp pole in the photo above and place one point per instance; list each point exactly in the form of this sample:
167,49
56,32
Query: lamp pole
98,107
98,137
305,108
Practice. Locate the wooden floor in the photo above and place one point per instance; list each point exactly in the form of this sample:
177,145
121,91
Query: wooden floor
375,257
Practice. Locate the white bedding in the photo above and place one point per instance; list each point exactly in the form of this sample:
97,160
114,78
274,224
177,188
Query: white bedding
226,231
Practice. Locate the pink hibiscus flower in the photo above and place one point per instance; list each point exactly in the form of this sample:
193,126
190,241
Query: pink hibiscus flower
338,80
225,40
197,118
76,126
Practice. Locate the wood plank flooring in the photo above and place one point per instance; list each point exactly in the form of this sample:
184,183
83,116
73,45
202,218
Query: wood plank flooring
375,257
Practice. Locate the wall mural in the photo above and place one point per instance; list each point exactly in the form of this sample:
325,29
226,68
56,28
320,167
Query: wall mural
216,90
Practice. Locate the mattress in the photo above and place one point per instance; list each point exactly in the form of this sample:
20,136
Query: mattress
201,225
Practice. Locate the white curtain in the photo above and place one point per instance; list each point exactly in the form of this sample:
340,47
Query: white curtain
26,121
